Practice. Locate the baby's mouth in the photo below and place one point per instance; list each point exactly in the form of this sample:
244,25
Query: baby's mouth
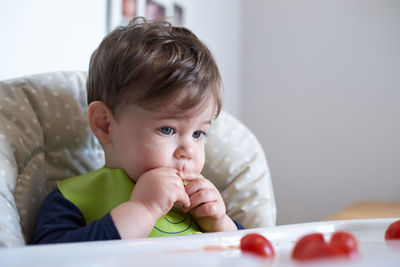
181,171
181,167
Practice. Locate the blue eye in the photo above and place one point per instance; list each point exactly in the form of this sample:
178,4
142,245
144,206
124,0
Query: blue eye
198,134
167,131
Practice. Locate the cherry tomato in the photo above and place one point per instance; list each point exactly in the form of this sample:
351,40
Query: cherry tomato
306,243
345,242
256,244
313,246
393,231
318,251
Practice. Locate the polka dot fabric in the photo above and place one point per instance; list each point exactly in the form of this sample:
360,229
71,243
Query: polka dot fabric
44,138
236,163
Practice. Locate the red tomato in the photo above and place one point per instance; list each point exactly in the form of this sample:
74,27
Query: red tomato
345,242
318,251
313,246
256,244
306,243
393,231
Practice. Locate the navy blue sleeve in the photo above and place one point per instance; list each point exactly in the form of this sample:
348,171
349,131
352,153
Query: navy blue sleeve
60,221
238,225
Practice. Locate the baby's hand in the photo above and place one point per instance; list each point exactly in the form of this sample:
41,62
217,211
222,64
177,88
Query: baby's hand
158,190
207,205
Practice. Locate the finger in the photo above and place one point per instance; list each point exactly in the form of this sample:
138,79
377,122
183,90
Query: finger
202,197
197,185
183,200
182,197
174,187
209,209
176,181
187,179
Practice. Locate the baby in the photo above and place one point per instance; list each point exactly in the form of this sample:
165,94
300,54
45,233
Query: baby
153,91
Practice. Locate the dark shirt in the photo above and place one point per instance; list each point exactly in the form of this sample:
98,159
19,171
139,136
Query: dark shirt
60,221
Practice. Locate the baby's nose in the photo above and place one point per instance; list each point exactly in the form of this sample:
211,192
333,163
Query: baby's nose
184,152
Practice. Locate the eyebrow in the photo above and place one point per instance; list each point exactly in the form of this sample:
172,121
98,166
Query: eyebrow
207,122
177,117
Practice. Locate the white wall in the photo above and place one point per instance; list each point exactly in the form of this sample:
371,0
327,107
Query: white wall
46,35
218,25
321,90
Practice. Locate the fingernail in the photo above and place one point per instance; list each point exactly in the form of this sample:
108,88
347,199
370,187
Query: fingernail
178,206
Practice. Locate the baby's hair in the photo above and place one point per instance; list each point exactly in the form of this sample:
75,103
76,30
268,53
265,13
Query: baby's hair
151,63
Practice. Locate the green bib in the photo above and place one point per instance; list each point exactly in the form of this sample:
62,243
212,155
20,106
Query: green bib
97,193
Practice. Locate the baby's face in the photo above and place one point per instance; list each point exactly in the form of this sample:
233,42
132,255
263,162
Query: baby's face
143,139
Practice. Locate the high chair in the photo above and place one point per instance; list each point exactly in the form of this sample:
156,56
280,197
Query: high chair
44,138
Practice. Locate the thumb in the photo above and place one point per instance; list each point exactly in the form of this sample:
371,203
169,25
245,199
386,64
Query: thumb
184,200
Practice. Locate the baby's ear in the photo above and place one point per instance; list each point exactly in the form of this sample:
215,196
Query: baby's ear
99,118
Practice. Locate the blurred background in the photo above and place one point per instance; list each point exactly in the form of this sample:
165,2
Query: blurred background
318,82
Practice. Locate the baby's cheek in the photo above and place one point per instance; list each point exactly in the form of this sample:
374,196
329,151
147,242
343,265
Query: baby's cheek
201,161
155,159
139,165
